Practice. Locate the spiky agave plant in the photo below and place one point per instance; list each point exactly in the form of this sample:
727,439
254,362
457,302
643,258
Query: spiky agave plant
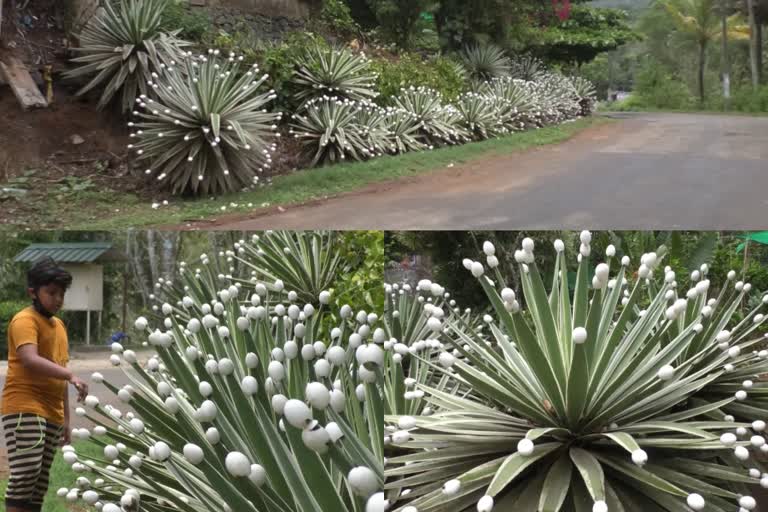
248,405
403,131
586,94
439,123
205,128
334,129
334,72
407,324
122,45
579,402
526,67
481,115
518,100
485,61
557,98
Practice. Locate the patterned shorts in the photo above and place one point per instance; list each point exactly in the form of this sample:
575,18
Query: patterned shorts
31,441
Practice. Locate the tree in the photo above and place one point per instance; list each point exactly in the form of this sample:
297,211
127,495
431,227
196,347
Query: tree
698,21
586,33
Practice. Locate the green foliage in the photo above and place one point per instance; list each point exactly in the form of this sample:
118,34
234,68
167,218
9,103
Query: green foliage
8,310
439,73
360,285
336,16
610,71
585,34
207,132
656,88
122,46
193,25
399,19
746,99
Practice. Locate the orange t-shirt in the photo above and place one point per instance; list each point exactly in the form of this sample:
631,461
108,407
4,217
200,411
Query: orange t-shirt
25,391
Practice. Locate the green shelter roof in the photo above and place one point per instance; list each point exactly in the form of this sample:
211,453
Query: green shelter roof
80,252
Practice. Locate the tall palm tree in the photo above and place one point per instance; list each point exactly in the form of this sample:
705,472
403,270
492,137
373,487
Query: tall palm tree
698,21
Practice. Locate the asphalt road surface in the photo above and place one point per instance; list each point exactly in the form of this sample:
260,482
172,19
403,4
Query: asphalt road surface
642,171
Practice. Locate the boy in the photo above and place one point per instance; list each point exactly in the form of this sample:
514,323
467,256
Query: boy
35,409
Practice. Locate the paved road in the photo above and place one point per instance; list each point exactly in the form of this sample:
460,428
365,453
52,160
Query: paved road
643,171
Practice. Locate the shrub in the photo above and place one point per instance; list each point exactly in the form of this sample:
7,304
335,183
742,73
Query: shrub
399,19
615,397
207,132
192,25
333,71
440,74
336,16
656,88
8,310
485,62
251,403
746,99
123,45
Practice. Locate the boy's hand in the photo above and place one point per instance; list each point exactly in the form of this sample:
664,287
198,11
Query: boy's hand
82,387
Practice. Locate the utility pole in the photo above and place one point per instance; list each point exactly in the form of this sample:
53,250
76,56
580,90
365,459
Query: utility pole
754,50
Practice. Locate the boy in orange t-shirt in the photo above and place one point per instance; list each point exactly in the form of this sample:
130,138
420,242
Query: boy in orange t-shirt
35,408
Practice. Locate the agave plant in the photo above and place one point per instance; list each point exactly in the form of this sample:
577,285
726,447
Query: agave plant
518,98
122,45
588,401
336,72
486,61
586,94
526,67
439,123
205,129
330,129
406,316
249,404
403,131
481,116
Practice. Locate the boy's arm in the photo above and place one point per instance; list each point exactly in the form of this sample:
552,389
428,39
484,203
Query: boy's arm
32,361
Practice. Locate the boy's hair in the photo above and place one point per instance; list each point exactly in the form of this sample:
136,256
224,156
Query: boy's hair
46,271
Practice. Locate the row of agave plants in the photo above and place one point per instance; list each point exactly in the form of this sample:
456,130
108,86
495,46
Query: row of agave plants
624,394
202,125
260,396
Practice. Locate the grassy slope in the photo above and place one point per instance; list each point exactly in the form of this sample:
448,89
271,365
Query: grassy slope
61,476
97,211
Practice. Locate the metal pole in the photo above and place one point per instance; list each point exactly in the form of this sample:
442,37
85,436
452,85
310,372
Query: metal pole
88,327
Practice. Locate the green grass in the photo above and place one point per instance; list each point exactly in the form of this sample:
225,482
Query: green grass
94,211
61,476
